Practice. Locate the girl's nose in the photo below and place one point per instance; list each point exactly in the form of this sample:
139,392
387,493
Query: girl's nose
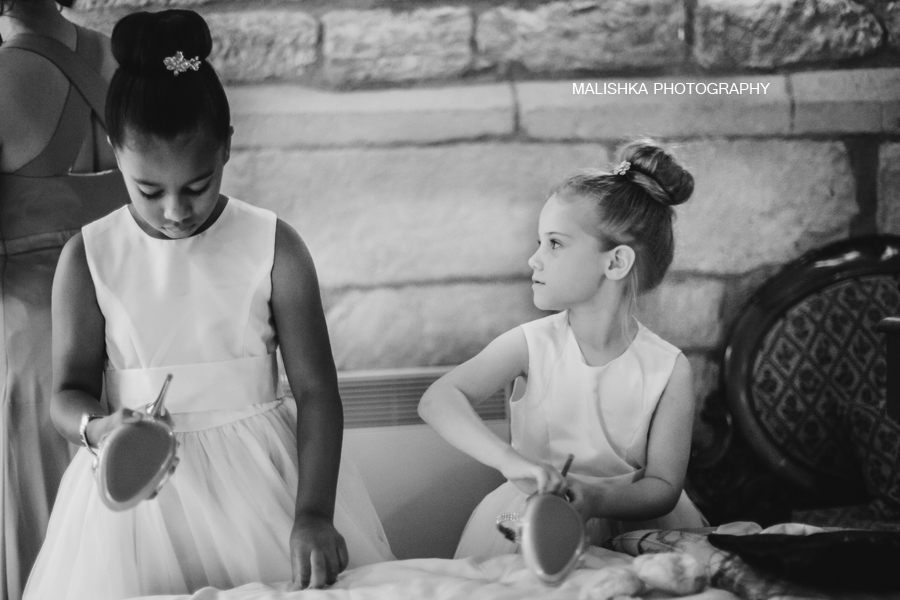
176,209
534,262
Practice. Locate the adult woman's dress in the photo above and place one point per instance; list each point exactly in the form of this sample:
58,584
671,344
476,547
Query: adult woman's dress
42,204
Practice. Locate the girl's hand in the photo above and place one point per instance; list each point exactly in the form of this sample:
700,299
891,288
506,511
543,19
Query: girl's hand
98,429
578,497
533,477
318,552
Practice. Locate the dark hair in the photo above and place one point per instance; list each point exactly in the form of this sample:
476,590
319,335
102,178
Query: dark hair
146,96
634,206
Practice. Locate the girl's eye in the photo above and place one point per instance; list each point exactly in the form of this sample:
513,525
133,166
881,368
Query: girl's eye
151,195
554,244
197,192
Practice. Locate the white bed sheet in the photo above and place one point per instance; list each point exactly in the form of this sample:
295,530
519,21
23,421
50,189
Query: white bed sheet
499,578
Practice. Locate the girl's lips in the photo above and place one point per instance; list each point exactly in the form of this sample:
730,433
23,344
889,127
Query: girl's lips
180,230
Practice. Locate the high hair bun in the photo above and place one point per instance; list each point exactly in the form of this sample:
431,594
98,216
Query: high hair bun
142,41
657,172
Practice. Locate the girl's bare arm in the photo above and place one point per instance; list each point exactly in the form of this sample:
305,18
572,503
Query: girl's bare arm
668,450
318,551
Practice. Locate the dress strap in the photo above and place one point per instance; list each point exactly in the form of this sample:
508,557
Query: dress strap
87,93
86,79
61,152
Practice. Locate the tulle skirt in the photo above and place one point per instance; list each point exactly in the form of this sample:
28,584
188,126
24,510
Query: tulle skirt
482,539
223,519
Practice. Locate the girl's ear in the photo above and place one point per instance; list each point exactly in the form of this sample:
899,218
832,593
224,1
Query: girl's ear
619,261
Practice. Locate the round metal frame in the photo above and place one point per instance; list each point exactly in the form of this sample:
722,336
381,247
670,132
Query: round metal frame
849,259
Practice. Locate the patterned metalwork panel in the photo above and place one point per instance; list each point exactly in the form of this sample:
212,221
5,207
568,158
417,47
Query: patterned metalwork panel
821,370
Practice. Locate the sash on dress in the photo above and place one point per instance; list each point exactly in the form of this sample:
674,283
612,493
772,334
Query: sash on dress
223,391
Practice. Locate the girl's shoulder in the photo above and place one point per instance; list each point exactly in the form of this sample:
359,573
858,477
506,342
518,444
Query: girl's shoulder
551,326
105,224
648,341
96,48
655,356
246,211
546,337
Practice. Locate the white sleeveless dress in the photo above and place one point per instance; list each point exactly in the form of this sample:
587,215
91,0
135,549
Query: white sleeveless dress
197,308
599,414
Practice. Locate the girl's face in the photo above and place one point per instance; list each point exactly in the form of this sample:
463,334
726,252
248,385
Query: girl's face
568,265
173,184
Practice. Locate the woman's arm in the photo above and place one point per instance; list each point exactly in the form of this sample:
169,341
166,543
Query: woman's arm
318,551
447,407
79,350
668,450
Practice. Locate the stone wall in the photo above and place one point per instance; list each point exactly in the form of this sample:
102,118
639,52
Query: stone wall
366,42
412,144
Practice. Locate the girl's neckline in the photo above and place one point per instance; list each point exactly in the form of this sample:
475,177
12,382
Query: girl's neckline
570,333
216,217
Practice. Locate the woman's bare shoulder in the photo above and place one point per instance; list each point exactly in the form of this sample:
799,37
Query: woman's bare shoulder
106,64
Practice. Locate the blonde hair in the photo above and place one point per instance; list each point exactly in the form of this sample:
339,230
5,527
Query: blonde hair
633,207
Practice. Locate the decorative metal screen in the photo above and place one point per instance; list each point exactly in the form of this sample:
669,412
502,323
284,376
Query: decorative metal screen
815,364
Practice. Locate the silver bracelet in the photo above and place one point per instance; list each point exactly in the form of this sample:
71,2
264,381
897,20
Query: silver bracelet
82,430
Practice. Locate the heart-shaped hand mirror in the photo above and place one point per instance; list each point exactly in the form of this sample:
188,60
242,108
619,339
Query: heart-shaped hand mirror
551,534
136,459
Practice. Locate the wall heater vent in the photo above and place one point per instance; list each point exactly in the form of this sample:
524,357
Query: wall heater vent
387,397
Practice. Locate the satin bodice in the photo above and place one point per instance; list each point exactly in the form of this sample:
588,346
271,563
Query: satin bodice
197,307
602,414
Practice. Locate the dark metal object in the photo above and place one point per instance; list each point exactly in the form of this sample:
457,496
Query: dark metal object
843,261
830,561
891,328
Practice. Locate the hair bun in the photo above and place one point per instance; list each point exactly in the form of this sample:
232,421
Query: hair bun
669,182
141,41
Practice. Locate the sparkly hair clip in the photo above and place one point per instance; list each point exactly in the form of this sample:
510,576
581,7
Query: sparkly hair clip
180,64
622,168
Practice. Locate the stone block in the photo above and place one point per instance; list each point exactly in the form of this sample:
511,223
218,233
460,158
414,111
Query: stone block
411,214
888,12
761,202
446,324
248,45
256,45
137,4
98,20
583,34
428,325
652,106
851,101
889,189
891,18
380,45
773,33
292,116
685,311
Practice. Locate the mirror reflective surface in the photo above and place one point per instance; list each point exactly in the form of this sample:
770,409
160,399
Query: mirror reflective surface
136,459
551,535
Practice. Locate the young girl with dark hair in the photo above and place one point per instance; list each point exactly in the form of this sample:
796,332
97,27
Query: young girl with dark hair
600,386
188,281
